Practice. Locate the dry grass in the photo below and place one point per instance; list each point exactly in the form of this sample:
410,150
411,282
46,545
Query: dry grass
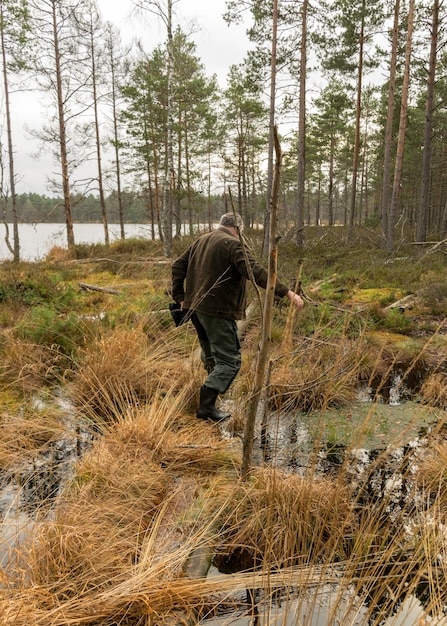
318,374
391,562
432,474
434,390
28,366
24,436
395,552
162,433
141,502
125,369
157,488
281,520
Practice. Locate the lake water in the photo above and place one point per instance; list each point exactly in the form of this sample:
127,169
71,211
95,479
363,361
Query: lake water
36,240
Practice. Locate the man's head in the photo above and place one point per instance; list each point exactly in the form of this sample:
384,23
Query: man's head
232,220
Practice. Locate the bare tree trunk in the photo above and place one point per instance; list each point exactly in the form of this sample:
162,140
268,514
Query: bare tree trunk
355,165
331,182
422,214
389,122
116,67
266,321
208,200
176,201
116,144
244,181
266,243
155,206
166,216
188,180
444,222
12,190
149,203
318,206
102,199
302,131
62,130
402,130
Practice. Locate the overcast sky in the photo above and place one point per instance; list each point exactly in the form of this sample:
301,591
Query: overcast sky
218,46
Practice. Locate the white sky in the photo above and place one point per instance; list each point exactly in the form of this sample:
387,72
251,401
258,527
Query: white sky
218,46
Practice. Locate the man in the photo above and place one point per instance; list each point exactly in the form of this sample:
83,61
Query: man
209,278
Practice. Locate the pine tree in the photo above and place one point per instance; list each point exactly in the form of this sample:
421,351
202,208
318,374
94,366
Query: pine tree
14,30
245,118
390,235
351,49
62,75
423,208
117,67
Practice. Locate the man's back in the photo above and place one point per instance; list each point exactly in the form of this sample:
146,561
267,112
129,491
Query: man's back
211,270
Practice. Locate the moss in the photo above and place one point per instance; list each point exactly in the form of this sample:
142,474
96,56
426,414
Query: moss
371,425
382,296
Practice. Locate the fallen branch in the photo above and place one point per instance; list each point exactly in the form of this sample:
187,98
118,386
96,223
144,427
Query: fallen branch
403,304
140,261
87,287
434,248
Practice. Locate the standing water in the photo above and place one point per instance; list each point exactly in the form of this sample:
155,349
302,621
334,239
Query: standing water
36,240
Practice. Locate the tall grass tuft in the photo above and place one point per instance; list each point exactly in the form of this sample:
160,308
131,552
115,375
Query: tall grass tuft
26,367
278,521
318,374
434,390
25,435
124,369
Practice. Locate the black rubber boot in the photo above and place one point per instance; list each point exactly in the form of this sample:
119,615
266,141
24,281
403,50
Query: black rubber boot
207,407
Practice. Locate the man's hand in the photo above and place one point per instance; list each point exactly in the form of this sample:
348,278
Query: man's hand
296,299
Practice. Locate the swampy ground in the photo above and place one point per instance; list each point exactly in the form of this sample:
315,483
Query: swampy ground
118,506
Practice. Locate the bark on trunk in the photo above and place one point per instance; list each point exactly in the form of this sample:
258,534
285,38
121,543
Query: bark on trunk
422,218
402,129
264,349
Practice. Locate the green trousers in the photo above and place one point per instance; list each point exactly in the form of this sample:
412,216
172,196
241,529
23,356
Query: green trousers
224,348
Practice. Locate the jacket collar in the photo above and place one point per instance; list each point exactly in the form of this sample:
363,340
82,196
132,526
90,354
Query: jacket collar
227,230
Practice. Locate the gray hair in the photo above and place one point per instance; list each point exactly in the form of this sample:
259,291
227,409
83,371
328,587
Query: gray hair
233,220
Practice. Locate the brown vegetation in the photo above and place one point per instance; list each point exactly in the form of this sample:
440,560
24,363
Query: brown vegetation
126,368
157,495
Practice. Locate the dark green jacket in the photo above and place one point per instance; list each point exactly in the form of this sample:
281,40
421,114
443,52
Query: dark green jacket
210,276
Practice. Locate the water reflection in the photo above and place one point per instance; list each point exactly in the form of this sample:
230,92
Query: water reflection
325,609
